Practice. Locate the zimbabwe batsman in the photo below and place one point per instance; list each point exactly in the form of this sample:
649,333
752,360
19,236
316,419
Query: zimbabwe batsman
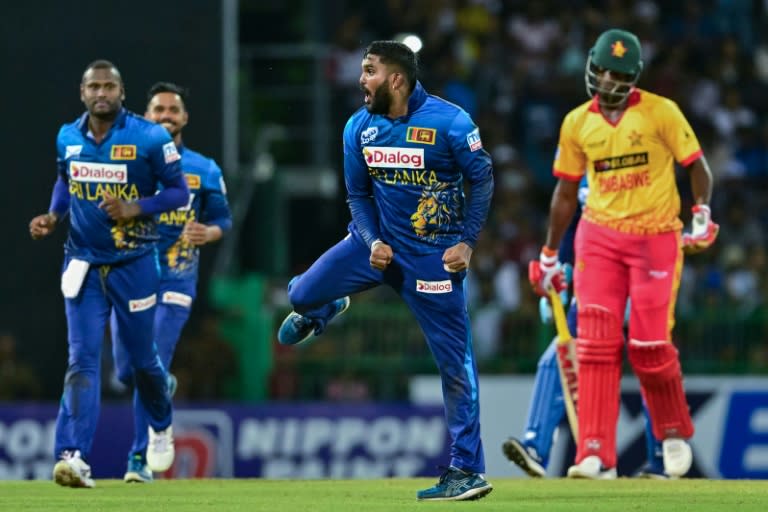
628,244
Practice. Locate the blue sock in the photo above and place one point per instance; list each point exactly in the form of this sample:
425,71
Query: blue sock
546,409
652,445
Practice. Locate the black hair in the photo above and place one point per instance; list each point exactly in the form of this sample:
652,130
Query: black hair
159,87
398,54
104,64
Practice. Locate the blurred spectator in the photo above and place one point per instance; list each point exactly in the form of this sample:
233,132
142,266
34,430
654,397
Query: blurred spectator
512,64
205,366
18,380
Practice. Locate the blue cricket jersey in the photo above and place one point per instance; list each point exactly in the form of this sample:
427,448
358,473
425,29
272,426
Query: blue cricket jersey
131,162
179,260
405,177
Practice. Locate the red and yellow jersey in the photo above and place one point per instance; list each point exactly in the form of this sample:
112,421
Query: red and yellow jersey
630,163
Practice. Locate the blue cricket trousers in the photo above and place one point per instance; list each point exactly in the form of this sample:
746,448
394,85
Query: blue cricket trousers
438,301
174,305
127,289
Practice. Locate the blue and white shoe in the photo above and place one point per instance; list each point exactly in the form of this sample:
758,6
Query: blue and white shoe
297,328
525,457
137,471
457,485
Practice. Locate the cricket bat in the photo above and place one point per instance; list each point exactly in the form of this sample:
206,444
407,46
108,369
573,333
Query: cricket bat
566,363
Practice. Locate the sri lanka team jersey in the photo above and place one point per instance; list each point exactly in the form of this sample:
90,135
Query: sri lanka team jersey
415,167
630,164
179,259
133,159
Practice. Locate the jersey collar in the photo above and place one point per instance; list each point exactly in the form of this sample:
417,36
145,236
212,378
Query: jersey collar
417,99
632,100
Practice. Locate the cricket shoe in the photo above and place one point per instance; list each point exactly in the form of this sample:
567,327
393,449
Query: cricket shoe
677,457
525,457
652,471
137,471
591,468
456,485
72,471
160,450
297,328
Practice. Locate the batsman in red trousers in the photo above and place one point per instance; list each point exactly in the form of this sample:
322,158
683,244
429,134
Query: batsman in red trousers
628,244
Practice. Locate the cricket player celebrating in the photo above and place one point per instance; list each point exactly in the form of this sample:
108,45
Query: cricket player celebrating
407,156
110,164
628,244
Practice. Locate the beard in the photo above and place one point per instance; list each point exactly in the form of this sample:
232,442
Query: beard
172,128
381,100
105,114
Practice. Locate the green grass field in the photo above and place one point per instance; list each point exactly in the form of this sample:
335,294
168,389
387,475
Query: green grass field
394,495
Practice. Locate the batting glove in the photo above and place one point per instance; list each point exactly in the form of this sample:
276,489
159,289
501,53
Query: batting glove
546,273
703,230
545,308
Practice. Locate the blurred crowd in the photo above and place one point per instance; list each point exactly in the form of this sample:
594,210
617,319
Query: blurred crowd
518,67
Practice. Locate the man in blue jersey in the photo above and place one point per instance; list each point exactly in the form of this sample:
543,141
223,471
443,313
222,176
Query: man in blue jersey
546,408
407,157
203,220
110,164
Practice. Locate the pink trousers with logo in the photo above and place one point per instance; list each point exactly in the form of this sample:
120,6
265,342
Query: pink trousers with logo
611,267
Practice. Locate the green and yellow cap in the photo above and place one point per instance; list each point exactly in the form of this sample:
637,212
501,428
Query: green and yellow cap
617,50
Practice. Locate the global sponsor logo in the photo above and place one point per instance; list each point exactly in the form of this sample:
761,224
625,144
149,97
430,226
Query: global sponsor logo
136,305
434,286
94,172
369,135
473,139
394,158
621,162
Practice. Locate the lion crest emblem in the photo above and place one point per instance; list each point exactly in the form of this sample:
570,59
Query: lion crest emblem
434,209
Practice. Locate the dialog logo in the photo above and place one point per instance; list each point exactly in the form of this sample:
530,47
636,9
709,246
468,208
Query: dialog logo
394,158
94,172
136,305
434,286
